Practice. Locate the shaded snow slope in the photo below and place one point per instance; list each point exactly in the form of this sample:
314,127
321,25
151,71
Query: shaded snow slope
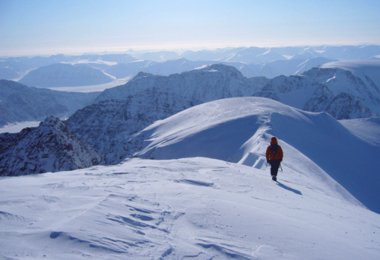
238,130
367,129
194,208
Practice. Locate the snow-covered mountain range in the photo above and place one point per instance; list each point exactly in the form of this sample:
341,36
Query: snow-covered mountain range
232,130
125,110
189,177
21,103
204,208
251,61
342,93
108,125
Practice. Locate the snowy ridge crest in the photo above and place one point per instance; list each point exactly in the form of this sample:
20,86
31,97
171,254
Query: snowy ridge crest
238,130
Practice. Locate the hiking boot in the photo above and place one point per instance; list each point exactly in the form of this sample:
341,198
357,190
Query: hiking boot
274,178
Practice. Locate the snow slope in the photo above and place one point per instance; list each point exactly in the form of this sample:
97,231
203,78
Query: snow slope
194,208
238,130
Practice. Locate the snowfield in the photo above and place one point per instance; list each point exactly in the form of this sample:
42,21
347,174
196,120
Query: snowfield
194,208
208,194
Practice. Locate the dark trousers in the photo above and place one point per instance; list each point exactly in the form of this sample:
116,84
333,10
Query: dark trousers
274,165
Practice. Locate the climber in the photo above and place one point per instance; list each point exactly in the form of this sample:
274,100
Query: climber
274,156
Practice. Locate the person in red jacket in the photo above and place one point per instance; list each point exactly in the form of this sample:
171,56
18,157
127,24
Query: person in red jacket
274,156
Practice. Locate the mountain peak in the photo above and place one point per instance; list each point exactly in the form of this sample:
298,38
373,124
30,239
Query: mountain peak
222,68
53,122
143,74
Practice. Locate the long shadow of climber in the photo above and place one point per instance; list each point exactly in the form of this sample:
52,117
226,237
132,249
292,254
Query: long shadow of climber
289,188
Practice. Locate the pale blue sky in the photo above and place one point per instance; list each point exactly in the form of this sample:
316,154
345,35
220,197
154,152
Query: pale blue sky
59,26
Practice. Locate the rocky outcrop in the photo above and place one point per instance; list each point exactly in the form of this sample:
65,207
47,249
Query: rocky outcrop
47,148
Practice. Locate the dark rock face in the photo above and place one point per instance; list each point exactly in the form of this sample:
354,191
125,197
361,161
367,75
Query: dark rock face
47,148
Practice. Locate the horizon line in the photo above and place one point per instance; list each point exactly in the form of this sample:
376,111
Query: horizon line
177,49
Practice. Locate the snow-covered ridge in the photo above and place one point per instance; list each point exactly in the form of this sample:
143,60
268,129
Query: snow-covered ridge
238,130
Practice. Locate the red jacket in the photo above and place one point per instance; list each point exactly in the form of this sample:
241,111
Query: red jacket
274,151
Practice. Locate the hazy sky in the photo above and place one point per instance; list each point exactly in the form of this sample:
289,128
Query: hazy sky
52,26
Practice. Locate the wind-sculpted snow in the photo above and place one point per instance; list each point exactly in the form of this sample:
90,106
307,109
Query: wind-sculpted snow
194,208
238,130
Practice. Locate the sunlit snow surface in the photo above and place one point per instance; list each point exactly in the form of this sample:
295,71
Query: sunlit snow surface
176,209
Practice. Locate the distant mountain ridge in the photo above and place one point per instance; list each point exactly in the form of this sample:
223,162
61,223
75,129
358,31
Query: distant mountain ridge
62,75
22,103
251,61
342,93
